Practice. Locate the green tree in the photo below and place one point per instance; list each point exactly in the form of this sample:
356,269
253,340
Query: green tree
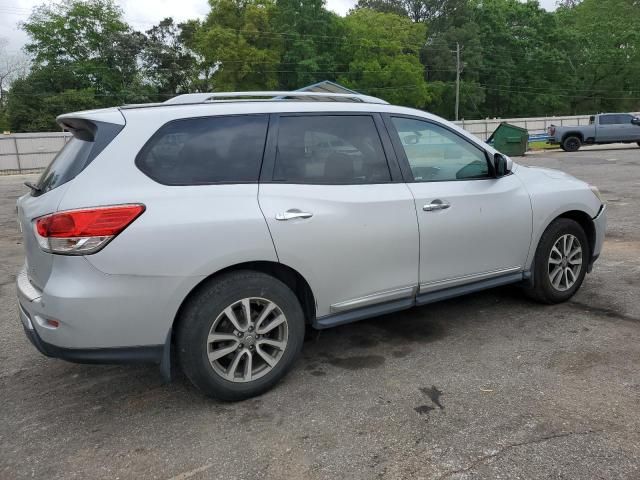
33,104
83,56
237,45
416,10
169,65
89,40
521,58
382,53
601,61
456,27
310,42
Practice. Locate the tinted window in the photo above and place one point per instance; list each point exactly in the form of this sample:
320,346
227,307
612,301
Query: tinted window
608,119
206,150
624,119
68,163
330,149
436,154
89,139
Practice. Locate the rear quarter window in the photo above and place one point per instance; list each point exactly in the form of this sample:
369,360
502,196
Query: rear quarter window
206,150
66,165
89,139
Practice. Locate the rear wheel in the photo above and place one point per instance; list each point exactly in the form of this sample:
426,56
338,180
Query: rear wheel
560,263
571,144
240,335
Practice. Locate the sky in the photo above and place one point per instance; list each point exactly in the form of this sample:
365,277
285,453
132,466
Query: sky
140,14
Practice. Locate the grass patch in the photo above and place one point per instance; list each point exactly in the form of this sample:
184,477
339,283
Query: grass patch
541,146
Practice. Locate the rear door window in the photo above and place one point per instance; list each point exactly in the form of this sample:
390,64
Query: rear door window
330,149
608,119
206,150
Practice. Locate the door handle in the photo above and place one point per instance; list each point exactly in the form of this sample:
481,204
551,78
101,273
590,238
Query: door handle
293,213
436,205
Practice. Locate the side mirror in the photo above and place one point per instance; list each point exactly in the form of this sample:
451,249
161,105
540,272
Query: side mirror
635,121
501,165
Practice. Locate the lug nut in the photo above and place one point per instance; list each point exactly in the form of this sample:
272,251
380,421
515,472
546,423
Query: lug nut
240,334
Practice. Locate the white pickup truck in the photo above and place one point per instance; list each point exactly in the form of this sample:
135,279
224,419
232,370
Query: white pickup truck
602,128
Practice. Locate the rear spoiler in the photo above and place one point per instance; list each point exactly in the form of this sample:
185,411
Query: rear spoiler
85,125
97,130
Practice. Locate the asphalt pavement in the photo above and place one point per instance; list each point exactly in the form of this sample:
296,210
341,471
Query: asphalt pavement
490,385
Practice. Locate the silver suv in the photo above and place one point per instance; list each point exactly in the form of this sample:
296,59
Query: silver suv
211,230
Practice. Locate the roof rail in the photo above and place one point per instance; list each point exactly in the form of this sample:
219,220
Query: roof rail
191,98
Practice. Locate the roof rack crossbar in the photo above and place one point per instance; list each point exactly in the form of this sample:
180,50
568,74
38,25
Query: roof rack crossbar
193,98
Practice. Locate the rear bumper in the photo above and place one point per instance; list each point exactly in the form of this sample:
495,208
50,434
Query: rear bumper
145,354
84,315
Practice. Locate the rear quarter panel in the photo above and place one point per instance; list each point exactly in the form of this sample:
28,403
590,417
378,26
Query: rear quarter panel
186,231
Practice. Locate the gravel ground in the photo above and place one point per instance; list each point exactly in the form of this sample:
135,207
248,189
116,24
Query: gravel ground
486,386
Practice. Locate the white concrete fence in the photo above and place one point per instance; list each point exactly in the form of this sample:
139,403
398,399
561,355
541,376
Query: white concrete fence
29,152
26,152
484,128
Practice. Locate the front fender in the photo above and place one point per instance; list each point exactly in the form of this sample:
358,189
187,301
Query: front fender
554,194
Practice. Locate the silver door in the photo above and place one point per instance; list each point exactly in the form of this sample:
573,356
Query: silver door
609,128
337,216
472,226
628,132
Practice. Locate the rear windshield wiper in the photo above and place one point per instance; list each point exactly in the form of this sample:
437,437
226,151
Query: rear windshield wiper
33,187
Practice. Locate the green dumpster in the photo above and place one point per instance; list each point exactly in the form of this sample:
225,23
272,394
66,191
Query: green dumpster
510,140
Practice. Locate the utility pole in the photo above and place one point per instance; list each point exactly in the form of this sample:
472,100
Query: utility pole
457,79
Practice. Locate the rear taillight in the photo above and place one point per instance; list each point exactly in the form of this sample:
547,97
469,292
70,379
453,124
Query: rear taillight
552,130
85,231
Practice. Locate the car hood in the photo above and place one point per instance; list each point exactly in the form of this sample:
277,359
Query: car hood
541,173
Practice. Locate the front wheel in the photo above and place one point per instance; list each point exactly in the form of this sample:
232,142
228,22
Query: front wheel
239,335
560,263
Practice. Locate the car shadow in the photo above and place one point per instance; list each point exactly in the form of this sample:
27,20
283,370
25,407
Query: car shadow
364,344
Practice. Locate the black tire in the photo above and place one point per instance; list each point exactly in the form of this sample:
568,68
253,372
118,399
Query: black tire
207,305
639,144
571,143
543,290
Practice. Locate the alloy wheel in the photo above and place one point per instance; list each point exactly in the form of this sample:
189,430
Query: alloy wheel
565,262
247,340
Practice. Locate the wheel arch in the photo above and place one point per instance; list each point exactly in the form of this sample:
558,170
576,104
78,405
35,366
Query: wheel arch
585,221
572,133
287,275
581,217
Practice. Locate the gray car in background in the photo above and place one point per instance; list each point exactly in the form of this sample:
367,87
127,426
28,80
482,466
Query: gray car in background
213,229
602,129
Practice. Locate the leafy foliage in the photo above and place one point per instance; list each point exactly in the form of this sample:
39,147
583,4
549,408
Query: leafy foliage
382,52
237,45
517,59
170,67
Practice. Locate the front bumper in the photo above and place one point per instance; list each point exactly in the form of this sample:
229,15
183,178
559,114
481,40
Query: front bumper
600,226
